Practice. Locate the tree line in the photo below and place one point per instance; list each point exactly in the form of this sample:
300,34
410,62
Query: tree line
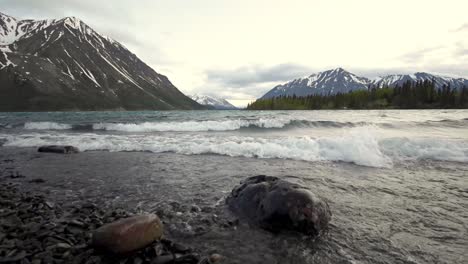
410,95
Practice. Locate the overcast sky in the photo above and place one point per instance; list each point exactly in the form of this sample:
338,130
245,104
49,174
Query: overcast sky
240,49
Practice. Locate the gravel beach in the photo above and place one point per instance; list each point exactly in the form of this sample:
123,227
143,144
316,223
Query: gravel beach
406,214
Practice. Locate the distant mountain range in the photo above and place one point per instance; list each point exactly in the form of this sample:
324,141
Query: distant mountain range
341,81
213,102
65,65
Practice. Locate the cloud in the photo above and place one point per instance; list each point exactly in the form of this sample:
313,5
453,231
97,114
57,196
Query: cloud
119,20
254,75
251,81
59,8
418,55
463,27
461,49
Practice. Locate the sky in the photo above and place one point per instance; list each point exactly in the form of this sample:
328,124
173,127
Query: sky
240,49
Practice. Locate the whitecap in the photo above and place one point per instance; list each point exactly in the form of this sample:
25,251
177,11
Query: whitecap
46,126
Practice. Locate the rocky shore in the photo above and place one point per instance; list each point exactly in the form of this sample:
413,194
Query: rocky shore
35,229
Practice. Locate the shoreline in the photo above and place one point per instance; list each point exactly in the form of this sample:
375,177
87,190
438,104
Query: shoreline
375,211
37,228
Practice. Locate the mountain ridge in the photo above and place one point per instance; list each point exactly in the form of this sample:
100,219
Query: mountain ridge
64,64
338,80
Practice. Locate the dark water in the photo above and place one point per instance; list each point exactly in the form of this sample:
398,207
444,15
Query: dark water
396,181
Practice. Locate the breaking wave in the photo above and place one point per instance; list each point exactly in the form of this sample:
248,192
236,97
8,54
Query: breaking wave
359,145
46,126
191,126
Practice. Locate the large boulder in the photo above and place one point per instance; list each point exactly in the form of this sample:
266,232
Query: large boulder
276,204
128,234
59,149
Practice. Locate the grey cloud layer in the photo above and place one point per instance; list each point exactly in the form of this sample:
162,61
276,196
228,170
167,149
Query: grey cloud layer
463,27
251,75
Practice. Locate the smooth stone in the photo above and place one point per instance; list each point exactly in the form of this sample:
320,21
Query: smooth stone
275,204
59,149
214,258
50,204
128,234
38,180
163,259
18,256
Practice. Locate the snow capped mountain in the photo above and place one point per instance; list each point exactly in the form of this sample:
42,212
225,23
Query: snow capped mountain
66,65
323,83
400,79
341,81
213,101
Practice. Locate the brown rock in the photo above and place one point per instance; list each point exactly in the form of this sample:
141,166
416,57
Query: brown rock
129,234
215,258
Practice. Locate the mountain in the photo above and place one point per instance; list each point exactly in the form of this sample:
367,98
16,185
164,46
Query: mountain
323,83
213,102
64,64
400,79
341,81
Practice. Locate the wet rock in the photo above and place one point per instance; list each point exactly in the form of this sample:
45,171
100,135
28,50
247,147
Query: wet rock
17,175
50,204
175,247
13,256
215,258
276,204
195,209
128,234
38,180
163,259
59,149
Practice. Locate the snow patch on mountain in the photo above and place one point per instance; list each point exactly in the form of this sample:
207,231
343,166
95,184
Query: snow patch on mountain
90,71
341,81
399,79
323,83
212,101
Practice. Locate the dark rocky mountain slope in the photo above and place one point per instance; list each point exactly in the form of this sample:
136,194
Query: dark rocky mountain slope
64,64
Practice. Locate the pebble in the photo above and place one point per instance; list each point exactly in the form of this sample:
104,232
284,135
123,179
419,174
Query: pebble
38,231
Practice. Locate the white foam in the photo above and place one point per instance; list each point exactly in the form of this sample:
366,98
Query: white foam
195,126
425,148
46,126
357,147
360,145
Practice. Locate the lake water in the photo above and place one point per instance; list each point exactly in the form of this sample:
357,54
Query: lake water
396,181
368,138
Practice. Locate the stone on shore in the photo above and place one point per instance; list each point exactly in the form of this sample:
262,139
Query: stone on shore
128,234
277,204
59,149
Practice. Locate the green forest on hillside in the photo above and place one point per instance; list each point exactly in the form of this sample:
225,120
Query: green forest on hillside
411,95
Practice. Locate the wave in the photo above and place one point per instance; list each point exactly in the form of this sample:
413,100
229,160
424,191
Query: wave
46,126
358,145
192,126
